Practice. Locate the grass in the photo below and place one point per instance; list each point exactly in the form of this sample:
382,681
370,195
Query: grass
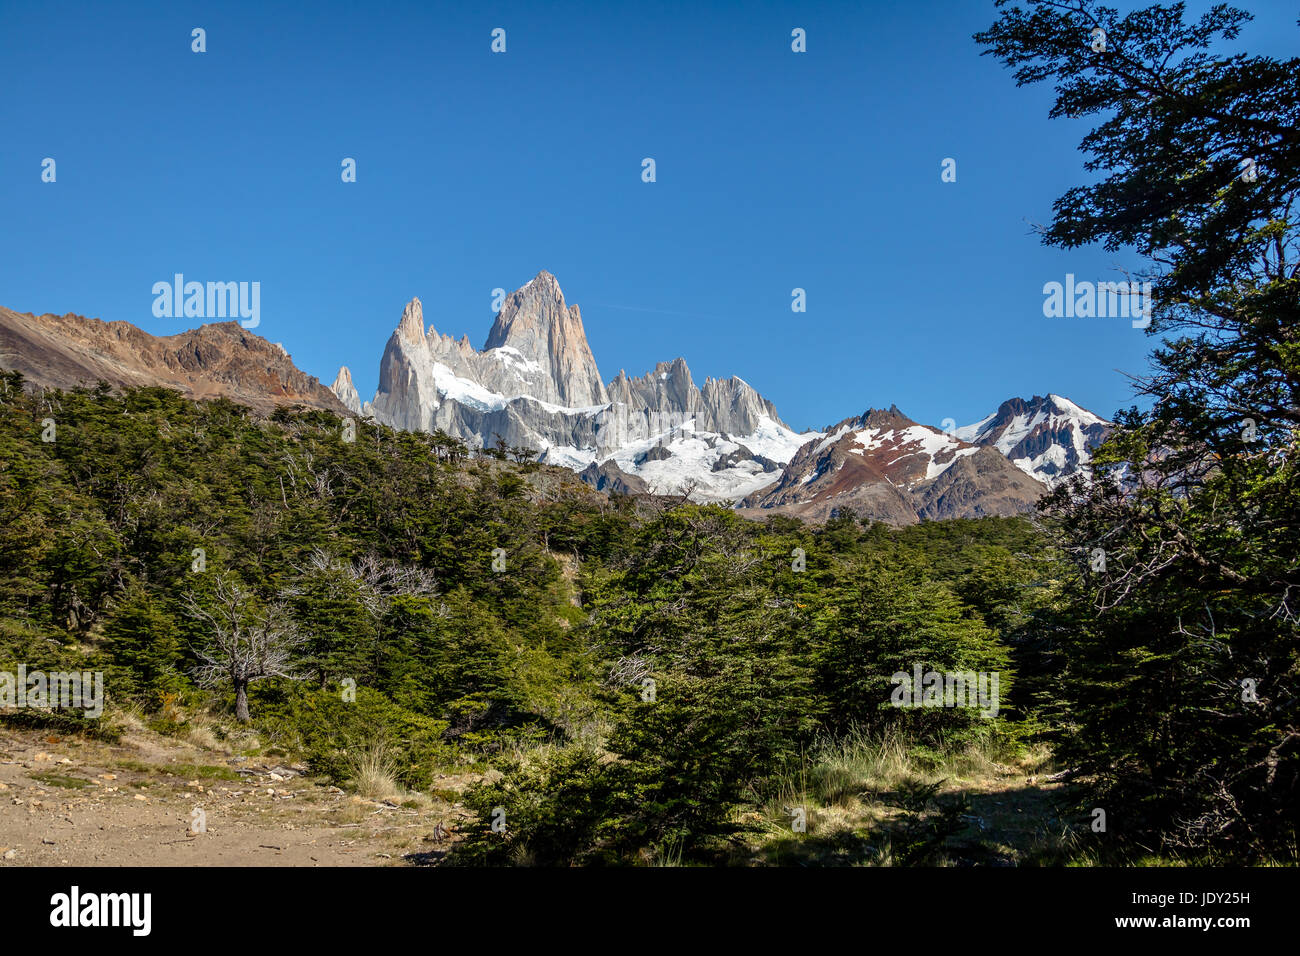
373,771
878,801
191,771
841,770
52,779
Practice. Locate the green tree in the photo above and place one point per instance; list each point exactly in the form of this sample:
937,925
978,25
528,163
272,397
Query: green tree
1185,544
144,647
888,618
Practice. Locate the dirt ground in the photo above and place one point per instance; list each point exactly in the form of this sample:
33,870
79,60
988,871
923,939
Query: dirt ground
153,801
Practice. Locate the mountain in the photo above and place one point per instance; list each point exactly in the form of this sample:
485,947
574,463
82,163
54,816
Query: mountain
541,342
1047,438
886,467
223,359
607,476
346,391
535,384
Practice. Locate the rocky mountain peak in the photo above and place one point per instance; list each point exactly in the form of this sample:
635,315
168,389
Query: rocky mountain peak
878,419
1048,437
346,391
884,466
545,331
411,327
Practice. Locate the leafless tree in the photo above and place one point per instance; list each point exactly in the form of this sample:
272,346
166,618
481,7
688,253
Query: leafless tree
377,581
245,643
629,671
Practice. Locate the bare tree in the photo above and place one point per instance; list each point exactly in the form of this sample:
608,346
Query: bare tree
245,643
372,582
378,581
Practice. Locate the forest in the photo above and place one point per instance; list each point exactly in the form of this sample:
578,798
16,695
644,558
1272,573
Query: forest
636,679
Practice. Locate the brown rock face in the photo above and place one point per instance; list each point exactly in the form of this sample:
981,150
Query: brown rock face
219,360
980,485
885,467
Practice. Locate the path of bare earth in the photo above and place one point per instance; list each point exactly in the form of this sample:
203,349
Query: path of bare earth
70,801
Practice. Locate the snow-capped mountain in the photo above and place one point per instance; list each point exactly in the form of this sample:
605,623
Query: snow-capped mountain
1047,438
535,384
884,466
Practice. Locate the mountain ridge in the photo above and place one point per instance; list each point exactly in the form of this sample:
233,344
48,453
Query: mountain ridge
220,359
884,466
536,384
658,433
723,441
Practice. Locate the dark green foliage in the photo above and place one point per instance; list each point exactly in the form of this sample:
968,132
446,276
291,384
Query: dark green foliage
379,550
558,811
143,649
890,619
1177,676
724,663
334,734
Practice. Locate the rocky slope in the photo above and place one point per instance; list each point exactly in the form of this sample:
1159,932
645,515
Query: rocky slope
886,467
223,359
535,384
1048,438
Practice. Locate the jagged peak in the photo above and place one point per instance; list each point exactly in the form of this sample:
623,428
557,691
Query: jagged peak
544,284
1053,401
719,382
675,369
535,321
674,365
891,417
412,324
551,310
343,379
545,278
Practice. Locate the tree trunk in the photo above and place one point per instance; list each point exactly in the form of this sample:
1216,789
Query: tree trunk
241,701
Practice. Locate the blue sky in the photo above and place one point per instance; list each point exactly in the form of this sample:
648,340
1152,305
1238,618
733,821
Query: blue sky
775,170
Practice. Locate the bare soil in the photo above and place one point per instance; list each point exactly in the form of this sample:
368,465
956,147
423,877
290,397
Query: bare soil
154,801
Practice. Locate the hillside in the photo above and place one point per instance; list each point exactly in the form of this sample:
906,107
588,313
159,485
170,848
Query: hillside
219,360
428,613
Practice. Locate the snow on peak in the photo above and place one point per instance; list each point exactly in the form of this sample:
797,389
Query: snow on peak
1048,438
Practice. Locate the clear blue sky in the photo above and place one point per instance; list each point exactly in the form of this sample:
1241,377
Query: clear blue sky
475,170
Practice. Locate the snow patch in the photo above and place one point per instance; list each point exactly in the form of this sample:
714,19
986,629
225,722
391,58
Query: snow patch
514,359
693,453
